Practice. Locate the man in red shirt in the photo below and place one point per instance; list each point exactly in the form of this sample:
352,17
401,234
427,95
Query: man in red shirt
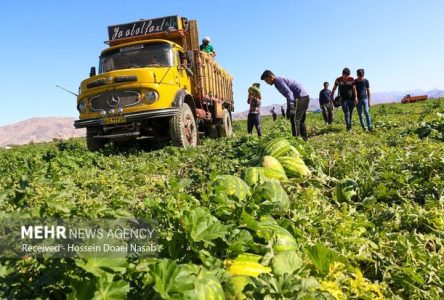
347,91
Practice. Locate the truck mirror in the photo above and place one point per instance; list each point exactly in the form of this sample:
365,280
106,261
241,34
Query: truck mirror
92,72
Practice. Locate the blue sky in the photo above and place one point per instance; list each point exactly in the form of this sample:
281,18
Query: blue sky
398,42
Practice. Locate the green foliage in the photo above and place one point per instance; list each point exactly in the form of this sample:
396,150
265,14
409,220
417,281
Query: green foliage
386,242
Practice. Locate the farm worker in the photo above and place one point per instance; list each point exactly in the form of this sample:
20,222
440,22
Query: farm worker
206,47
326,104
282,111
347,91
273,114
254,99
363,90
297,101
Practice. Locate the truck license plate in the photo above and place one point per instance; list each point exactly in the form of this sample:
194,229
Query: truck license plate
113,120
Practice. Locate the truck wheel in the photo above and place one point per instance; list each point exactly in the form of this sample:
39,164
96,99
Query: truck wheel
226,128
183,129
92,143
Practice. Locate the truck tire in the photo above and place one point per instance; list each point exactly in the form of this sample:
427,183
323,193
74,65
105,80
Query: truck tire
92,143
183,129
226,128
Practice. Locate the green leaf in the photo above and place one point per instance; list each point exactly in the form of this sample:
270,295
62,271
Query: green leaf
111,290
171,280
201,226
322,257
286,262
102,266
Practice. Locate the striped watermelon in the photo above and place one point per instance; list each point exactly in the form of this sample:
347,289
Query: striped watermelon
294,152
277,147
206,287
280,238
271,193
270,162
256,175
231,186
346,189
246,264
294,166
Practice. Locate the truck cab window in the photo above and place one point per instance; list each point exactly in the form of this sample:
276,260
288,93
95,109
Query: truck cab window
137,56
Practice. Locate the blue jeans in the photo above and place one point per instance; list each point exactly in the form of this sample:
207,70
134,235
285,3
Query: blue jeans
347,108
363,108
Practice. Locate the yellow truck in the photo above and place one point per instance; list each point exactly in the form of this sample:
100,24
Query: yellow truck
154,83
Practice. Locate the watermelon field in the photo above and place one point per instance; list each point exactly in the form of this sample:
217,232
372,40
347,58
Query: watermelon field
346,215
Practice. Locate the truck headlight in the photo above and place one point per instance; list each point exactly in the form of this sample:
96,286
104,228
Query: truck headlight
81,106
151,97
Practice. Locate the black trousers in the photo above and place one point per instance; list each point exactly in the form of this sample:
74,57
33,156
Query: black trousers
297,117
254,121
327,112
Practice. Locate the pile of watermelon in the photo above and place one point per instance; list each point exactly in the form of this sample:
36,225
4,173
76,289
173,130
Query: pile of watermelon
279,162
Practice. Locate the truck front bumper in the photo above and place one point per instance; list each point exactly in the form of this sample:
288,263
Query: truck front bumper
132,117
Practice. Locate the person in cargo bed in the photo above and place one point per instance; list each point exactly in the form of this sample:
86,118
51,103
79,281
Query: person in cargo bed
207,47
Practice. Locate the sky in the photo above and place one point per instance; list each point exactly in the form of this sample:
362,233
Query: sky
398,42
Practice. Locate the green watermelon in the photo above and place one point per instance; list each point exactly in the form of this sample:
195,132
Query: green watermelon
206,287
294,152
256,175
270,162
277,147
231,186
271,193
346,189
280,238
294,166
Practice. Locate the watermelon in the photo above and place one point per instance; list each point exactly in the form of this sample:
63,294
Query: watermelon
256,175
231,186
281,240
294,166
294,152
346,189
271,193
277,147
235,286
207,287
270,162
246,264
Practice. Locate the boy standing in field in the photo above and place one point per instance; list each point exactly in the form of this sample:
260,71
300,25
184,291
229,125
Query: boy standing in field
254,99
347,91
363,90
326,104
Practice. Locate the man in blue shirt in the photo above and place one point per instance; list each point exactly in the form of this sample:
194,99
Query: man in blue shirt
326,104
297,101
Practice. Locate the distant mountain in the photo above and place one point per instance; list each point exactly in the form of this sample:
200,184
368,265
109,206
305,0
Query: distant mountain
39,130
377,98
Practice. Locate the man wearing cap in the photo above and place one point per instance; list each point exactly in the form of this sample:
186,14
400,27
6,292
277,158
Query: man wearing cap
206,47
347,91
297,101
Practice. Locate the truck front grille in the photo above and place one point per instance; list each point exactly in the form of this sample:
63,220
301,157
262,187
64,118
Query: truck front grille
114,99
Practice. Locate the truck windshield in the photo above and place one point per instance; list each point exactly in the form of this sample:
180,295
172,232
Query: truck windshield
137,56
